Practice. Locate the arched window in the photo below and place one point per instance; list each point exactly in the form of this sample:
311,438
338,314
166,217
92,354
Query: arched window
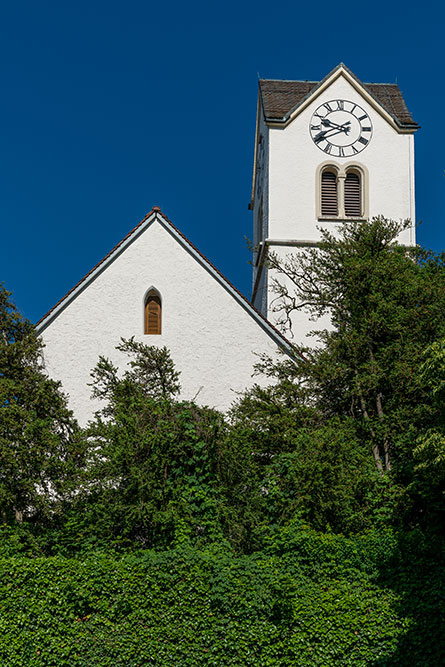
353,195
329,195
153,313
342,191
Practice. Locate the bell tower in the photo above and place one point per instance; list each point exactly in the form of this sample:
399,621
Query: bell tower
326,152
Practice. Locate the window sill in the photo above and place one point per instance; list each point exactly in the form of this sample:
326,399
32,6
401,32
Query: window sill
331,218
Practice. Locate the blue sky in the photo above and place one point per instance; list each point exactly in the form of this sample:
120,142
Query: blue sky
110,108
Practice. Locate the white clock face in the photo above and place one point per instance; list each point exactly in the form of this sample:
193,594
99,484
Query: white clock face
340,128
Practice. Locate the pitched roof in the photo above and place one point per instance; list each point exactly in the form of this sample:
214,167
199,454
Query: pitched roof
156,214
281,98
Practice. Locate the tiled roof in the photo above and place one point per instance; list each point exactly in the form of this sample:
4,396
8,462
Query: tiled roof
280,98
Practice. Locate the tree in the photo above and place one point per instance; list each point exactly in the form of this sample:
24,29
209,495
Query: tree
39,449
428,485
152,375
153,474
386,303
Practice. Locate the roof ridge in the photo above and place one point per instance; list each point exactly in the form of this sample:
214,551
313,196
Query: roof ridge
292,80
365,83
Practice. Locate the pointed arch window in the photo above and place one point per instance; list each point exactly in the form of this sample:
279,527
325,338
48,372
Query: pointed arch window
153,313
353,195
329,193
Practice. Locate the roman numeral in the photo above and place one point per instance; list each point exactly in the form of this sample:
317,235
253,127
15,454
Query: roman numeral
366,129
363,117
327,107
341,152
315,127
362,140
328,148
355,151
318,115
319,138
340,105
354,107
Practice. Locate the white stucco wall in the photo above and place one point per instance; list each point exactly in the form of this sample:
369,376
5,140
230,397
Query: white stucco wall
290,178
294,160
211,336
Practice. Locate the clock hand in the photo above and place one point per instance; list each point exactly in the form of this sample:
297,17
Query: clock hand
324,134
329,123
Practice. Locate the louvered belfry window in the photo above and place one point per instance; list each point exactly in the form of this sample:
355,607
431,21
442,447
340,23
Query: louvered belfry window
353,198
329,198
153,314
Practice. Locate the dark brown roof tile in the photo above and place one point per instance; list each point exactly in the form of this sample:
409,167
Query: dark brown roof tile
280,98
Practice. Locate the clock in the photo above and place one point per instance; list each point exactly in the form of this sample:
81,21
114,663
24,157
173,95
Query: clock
340,128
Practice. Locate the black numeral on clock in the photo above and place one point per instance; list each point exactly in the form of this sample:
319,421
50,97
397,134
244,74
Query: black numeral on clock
340,105
362,140
328,148
341,152
327,106
366,129
314,128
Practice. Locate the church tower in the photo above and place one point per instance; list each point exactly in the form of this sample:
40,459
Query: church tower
326,152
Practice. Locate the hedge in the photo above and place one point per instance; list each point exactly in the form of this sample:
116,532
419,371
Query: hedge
309,599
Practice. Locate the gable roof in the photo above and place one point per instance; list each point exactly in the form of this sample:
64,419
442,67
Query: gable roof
156,215
281,98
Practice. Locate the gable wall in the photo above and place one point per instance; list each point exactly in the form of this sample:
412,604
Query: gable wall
211,337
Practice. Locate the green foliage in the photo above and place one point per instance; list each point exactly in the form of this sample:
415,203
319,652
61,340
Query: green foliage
152,478
39,448
386,304
326,479
427,488
310,599
151,375
279,520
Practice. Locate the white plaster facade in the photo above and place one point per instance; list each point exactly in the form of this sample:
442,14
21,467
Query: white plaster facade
212,332
285,190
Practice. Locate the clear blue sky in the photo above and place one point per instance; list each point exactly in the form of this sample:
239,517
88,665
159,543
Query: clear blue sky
109,108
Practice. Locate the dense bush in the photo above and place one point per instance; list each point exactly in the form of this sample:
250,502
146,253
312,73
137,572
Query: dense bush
310,599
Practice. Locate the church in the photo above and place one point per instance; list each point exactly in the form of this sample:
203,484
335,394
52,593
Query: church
326,152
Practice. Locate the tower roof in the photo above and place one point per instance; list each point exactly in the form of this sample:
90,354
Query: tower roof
280,98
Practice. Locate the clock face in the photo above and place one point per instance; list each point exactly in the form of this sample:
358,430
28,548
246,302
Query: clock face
340,128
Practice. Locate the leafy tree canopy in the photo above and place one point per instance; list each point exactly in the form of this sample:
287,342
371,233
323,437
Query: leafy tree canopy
39,450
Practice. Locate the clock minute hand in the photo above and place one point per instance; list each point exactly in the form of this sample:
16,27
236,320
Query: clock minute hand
324,134
330,123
